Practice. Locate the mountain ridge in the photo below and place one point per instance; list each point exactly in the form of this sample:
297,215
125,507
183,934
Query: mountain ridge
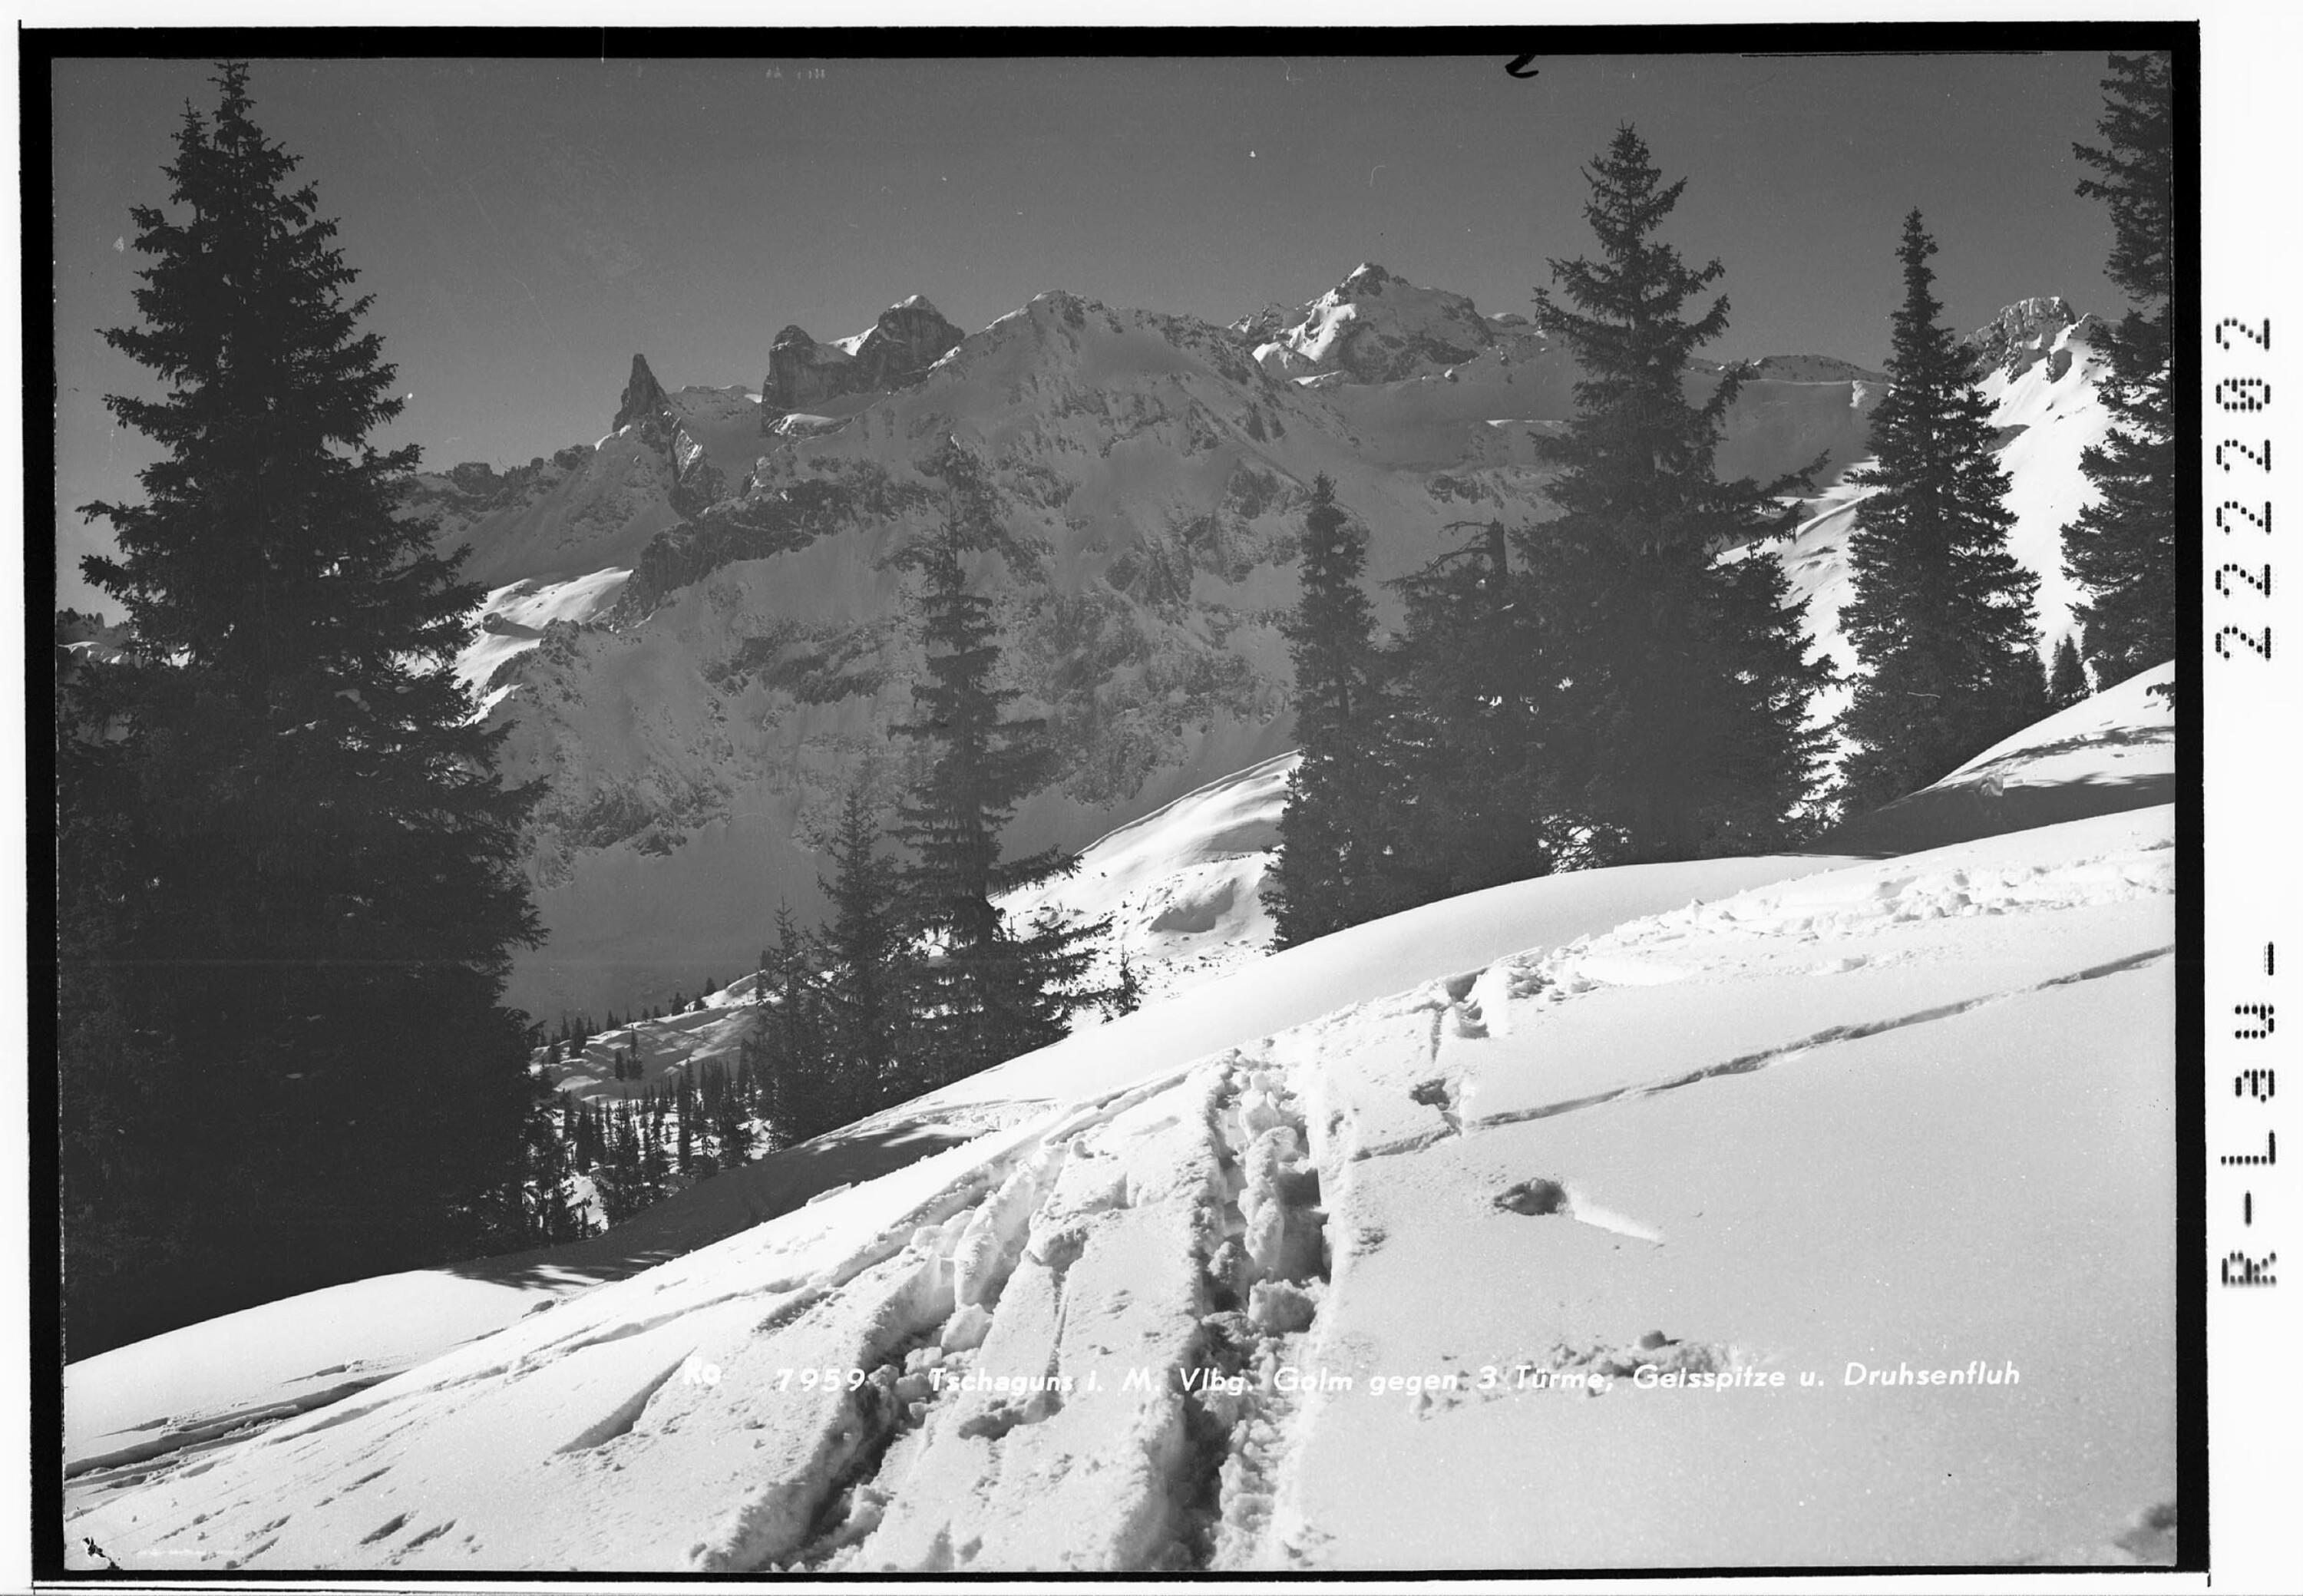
695,633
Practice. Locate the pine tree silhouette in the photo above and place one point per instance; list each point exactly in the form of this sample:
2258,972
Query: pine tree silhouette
323,861
1941,614
2069,682
1339,840
806,1093
2125,549
1466,735
1679,681
1126,995
992,994
870,973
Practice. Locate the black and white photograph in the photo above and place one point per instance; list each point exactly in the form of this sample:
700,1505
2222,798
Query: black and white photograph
1322,805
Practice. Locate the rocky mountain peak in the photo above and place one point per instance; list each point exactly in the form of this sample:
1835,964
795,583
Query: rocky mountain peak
644,397
2022,335
1376,327
895,352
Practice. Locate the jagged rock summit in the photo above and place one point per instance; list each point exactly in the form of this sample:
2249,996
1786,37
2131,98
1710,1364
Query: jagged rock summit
1376,327
2027,331
894,353
643,398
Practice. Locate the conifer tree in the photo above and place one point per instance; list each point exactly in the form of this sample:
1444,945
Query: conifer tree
2069,683
731,1125
684,1107
808,1094
1338,836
864,948
1676,683
1466,723
628,1178
1126,995
2124,548
1941,614
991,994
323,859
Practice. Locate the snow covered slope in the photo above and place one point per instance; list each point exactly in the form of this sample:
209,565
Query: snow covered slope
1607,1215
2112,751
1183,886
183,1389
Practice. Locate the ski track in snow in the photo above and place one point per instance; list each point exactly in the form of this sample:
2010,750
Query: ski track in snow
1124,1276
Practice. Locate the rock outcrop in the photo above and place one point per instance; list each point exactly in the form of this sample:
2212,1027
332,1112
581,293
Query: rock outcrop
643,400
2025,333
894,352
1376,327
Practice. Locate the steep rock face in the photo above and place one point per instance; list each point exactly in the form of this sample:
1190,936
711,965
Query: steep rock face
894,352
802,372
907,340
1377,327
589,507
2027,331
644,399
669,427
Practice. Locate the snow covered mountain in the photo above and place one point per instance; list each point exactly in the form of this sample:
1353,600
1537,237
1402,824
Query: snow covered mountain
696,633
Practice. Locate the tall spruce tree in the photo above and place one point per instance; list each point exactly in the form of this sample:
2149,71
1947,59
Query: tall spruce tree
806,1093
1465,726
992,992
1942,615
866,952
296,839
2125,549
1339,837
1675,683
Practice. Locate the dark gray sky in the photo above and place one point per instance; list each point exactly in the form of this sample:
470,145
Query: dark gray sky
526,226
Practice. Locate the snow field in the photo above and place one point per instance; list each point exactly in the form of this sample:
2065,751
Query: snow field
2112,751
1980,1170
1399,1286
677,1044
256,1362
